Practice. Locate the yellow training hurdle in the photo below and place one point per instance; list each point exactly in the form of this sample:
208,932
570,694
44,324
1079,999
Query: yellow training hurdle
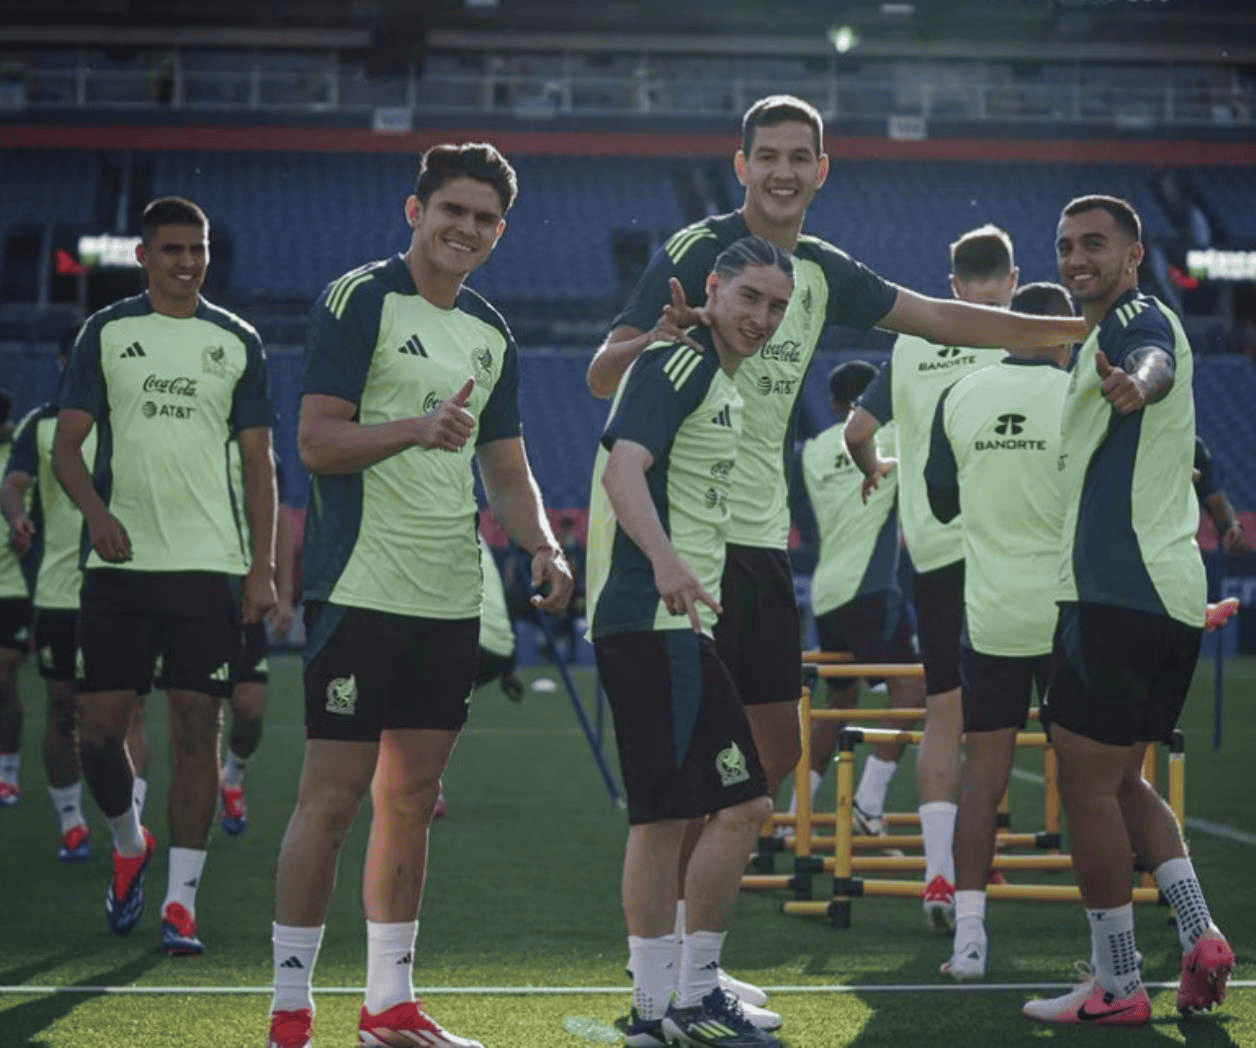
844,863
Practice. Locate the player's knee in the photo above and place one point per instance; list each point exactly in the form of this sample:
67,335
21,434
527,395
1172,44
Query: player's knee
747,816
412,798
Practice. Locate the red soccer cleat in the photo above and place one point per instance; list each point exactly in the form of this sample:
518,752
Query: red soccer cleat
291,1029
406,1024
1206,968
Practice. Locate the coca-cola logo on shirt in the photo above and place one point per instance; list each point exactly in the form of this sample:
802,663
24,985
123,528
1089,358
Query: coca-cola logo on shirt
179,387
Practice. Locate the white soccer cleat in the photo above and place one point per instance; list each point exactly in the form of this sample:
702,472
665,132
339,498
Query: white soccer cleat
968,962
747,993
1089,1004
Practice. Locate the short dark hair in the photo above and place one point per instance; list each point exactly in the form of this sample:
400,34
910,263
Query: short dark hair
1043,299
982,253
171,211
6,405
477,160
781,109
751,251
847,381
1122,211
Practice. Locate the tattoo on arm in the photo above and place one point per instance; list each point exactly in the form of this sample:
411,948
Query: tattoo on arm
1153,368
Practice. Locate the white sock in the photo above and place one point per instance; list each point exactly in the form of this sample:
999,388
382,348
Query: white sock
1178,883
10,766
970,918
652,966
295,952
937,825
874,784
699,967
68,801
127,838
233,770
678,931
1112,947
139,794
389,964
184,877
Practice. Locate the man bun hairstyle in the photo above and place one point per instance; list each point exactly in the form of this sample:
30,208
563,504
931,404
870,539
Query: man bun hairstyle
984,253
478,160
751,251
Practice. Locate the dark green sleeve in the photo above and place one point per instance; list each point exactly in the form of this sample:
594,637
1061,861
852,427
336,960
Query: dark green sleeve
84,385
878,398
651,408
941,471
251,406
858,297
23,453
688,256
340,343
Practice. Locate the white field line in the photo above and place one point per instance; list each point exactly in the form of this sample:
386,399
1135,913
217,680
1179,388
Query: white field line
1206,826
528,991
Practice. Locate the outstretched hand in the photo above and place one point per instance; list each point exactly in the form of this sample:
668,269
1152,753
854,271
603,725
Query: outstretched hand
1122,390
682,592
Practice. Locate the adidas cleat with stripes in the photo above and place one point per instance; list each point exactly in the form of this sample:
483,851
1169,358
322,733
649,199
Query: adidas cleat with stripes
717,1021
644,1033
404,1025
124,897
76,845
178,932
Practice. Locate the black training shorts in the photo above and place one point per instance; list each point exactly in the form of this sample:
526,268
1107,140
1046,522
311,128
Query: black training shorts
759,634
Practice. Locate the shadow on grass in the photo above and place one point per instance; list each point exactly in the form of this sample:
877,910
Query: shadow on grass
24,1023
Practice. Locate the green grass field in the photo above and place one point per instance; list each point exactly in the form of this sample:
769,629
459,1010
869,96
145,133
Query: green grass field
523,891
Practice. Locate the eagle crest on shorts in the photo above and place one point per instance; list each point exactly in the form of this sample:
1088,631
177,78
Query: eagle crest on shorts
731,764
342,695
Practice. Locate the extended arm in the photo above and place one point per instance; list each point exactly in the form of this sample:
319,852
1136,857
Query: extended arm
108,536
259,504
860,433
332,441
950,323
625,484
1145,378
625,343
516,502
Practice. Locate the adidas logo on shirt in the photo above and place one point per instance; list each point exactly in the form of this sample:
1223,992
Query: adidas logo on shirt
292,962
222,673
134,350
413,347
724,418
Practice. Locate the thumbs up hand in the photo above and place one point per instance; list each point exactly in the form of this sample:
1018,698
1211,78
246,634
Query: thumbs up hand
1122,390
449,425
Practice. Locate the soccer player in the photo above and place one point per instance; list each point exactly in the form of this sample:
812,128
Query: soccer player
658,515
781,164
51,534
1131,594
408,375
983,271
993,463
854,593
252,670
165,378
15,620
1213,499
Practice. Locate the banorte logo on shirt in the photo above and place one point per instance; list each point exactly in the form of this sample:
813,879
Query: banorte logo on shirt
949,357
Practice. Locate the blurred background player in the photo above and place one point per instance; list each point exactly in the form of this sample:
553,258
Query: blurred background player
1131,595
497,635
994,463
659,513
52,535
781,164
15,639
252,670
393,582
855,594
983,271
167,378
1213,499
